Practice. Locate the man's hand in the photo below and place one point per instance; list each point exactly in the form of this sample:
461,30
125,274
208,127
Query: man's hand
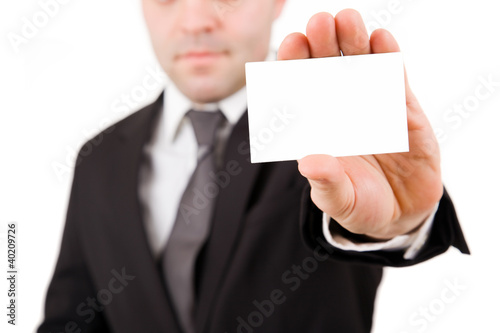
380,196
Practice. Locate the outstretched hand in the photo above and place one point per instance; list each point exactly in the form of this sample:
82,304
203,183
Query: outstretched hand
380,196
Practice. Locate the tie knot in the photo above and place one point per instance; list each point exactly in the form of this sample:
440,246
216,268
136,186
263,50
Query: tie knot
205,124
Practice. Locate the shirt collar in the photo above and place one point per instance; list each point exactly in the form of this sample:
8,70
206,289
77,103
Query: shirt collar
177,104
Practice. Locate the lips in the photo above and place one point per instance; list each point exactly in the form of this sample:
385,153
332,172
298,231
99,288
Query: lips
200,58
202,54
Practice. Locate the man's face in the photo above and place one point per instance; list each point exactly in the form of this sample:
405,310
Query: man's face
203,44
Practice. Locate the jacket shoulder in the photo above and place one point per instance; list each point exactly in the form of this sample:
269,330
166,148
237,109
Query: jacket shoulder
136,127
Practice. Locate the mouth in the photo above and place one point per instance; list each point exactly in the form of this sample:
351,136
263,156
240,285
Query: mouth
201,58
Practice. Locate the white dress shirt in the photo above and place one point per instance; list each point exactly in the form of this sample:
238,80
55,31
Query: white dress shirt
172,155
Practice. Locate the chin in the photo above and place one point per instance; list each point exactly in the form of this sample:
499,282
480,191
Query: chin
203,96
206,93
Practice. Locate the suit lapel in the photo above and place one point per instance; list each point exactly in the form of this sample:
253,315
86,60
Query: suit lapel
228,215
127,209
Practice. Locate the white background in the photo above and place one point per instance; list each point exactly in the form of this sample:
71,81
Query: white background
61,86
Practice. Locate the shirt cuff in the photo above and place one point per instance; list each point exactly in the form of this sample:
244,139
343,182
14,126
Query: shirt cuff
412,242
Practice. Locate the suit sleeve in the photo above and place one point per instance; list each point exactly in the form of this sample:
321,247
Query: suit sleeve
67,307
445,232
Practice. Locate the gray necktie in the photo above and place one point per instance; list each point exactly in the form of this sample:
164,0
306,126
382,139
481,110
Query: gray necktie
192,224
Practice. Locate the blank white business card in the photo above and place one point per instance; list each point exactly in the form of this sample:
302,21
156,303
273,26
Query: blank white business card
340,106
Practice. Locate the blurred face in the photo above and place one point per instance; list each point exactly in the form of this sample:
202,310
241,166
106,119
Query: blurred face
203,44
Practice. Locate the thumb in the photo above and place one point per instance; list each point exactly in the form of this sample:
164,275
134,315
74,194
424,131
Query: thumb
331,188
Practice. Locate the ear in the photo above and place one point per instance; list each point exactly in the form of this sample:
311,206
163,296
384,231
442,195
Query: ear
279,4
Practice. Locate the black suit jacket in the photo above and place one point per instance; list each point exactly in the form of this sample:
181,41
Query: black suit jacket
265,268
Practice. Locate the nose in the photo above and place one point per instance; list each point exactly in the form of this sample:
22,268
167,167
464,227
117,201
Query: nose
198,16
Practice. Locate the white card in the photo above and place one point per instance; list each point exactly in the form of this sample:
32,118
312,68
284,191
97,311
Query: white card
340,106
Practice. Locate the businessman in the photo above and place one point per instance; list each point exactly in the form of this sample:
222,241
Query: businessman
171,229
